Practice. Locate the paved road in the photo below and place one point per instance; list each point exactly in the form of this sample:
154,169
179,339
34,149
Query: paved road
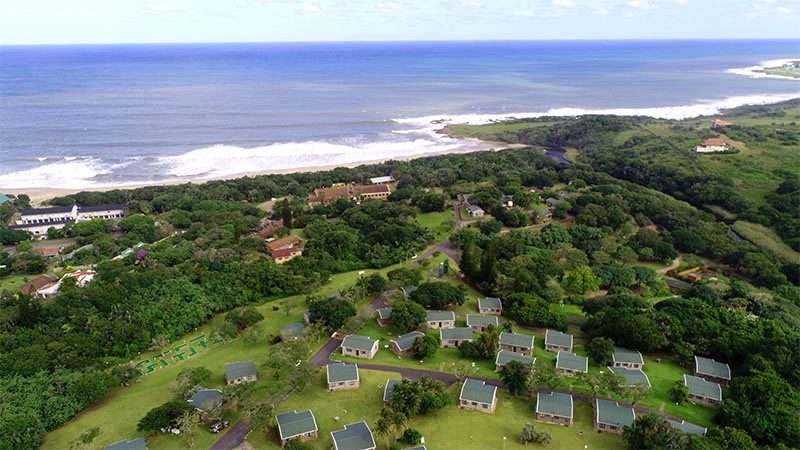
232,438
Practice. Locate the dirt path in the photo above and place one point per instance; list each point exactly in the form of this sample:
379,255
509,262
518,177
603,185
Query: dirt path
675,263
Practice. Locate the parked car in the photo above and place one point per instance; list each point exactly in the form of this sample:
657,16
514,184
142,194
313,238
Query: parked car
217,427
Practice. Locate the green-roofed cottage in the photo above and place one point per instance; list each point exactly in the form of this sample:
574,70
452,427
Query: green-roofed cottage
519,343
490,305
571,364
477,395
610,417
453,337
554,407
505,356
359,346
239,372
342,376
136,444
387,390
440,319
4,199
632,376
402,345
206,400
384,316
556,341
688,428
711,370
297,425
622,357
478,323
355,436
702,392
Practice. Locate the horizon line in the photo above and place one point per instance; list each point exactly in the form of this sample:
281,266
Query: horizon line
401,41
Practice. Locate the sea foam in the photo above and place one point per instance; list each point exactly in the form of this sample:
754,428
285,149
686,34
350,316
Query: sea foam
69,173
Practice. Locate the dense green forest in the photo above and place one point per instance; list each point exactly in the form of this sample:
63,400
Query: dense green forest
620,206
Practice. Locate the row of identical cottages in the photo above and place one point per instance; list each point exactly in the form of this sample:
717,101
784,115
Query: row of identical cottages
38,221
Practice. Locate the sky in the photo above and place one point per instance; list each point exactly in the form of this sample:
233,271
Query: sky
150,21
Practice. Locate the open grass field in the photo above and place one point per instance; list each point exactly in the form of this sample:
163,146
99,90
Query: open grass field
766,240
441,223
13,282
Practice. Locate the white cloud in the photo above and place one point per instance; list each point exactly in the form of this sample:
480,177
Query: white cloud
311,8
636,3
785,10
564,3
527,13
389,7
682,2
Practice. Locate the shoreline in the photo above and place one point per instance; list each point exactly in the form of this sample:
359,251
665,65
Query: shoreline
38,195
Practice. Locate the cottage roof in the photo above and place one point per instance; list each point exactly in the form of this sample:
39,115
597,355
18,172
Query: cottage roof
385,313
52,210
98,208
206,400
571,361
35,284
293,423
632,376
517,340
293,330
283,242
374,189
136,444
557,338
715,142
610,413
490,303
505,356
387,390
555,404
284,252
688,427
477,319
552,201
474,208
437,316
338,372
239,370
459,334
4,199
406,341
359,342
48,224
477,391
355,436
707,366
623,355
699,387
378,180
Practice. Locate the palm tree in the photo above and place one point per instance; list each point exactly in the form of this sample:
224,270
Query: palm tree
383,428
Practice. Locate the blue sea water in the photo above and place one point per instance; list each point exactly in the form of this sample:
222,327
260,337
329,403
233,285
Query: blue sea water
101,116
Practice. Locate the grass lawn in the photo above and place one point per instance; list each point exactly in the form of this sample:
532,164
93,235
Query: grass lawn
568,310
13,282
436,222
662,377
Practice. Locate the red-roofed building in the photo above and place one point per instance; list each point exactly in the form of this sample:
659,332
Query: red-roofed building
285,254
35,284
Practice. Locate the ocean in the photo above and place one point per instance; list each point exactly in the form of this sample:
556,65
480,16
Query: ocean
99,116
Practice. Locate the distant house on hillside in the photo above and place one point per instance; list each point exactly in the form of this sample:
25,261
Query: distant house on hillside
633,377
402,345
571,364
688,428
478,323
610,417
490,305
4,199
38,221
382,180
297,425
359,346
712,145
702,392
342,376
136,444
453,337
519,343
387,390
631,359
440,319
355,436
556,341
505,356
475,211
292,331
329,195
719,123
239,372
385,316
711,370
35,284
206,401
554,407
477,395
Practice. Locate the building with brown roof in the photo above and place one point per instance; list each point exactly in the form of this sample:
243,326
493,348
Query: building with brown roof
290,241
35,284
330,195
370,192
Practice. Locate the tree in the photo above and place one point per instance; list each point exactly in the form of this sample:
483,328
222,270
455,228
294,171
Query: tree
650,431
635,392
545,376
411,436
581,280
600,350
188,379
297,444
627,255
242,318
438,294
404,276
424,347
462,369
488,342
383,428
331,312
728,437
84,441
431,202
516,376
679,392
164,416
187,423
407,316
529,434
604,381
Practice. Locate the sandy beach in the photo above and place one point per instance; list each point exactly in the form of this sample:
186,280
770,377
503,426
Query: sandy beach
39,195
